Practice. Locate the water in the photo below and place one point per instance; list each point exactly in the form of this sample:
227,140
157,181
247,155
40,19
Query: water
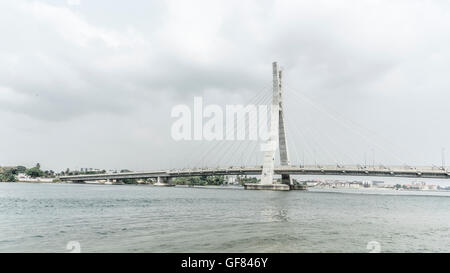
45,217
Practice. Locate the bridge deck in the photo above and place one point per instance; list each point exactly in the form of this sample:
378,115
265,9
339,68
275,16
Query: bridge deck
384,171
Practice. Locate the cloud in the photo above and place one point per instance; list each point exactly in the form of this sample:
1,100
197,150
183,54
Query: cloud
55,59
105,62
73,2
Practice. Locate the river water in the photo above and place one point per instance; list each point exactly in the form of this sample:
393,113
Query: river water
129,218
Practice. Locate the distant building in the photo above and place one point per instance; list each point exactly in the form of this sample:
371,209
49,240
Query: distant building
311,183
21,177
377,183
231,179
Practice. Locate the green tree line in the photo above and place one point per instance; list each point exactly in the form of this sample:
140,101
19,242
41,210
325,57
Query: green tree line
9,174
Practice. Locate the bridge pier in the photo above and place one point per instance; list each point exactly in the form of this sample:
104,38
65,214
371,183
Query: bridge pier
271,187
286,179
113,182
163,182
274,187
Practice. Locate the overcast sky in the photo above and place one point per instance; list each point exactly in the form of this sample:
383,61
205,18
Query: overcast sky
92,83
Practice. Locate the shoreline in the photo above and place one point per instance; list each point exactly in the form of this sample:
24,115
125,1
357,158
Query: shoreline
372,191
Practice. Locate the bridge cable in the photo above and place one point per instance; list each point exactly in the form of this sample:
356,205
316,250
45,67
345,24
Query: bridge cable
246,129
216,147
200,153
330,153
345,124
238,131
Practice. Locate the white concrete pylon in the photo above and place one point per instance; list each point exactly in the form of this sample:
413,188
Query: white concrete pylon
277,136
284,155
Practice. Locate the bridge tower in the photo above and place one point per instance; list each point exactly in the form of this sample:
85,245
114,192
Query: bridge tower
276,140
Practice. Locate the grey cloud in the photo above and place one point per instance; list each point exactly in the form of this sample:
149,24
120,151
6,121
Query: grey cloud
61,65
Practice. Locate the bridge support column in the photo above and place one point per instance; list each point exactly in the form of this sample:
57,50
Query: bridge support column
277,139
118,182
163,182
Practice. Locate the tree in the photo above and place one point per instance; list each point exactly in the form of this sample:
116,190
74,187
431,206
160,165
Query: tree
8,176
21,169
215,180
34,172
245,180
129,181
199,180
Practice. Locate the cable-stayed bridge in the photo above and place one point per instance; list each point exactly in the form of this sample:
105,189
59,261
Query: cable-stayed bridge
393,171
275,156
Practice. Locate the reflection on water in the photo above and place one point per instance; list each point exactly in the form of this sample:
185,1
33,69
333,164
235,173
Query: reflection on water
272,215
51,217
